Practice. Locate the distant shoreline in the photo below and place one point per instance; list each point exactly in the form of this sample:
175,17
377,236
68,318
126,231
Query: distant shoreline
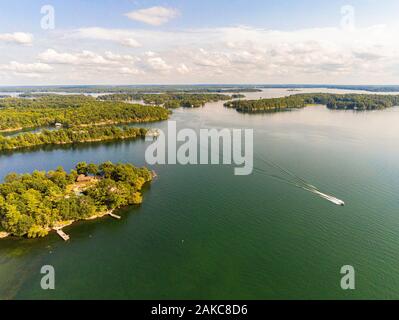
200,88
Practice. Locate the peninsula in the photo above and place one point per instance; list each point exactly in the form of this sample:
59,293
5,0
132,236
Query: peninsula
72,110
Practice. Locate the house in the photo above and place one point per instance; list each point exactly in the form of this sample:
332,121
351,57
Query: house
83,178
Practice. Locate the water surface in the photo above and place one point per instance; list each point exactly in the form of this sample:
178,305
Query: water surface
203,233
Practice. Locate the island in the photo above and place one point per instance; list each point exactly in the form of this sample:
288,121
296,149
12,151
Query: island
357,102
72,110
71,135
237,96
31,205
168,100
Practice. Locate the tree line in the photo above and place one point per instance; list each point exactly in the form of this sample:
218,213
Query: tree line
70,136
33,90
168,100
332,101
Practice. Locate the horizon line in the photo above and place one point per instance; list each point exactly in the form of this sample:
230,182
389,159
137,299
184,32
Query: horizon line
200,84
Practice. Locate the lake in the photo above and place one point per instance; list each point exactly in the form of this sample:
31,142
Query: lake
203,233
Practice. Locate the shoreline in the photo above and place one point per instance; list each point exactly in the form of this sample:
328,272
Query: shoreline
72,142
59,225
85,125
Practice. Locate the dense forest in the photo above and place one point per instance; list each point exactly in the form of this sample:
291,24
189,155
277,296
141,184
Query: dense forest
168,100
237,96
266,105
32,204
134,89
73,110
69,136
332,101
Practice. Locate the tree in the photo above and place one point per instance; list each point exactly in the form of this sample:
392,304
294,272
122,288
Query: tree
93,169
37,232
82,168
107,169
137,198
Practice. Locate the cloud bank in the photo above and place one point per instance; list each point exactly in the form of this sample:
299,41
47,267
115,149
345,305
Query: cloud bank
239,54
17,38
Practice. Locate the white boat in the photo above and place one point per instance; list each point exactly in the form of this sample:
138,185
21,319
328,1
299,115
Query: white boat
332,199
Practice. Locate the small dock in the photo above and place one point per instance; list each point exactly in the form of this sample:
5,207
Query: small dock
62,234
113,215
154,133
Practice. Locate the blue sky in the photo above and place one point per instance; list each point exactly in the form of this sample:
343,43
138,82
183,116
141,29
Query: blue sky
275,14
183,41
287,14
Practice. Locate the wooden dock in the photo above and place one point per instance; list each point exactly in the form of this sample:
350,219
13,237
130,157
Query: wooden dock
62,234
113,215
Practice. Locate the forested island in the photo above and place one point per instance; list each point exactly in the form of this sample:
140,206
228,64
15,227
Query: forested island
72,110
168,100
332,101
70,136
33,204
237,96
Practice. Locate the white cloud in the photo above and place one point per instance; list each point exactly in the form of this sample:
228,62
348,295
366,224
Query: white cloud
85,57
130,71
233,54
150,54
154,16
183,69
95,64
129,42
123,37
52,56
17,38
158,64
28,70
26,67
123,58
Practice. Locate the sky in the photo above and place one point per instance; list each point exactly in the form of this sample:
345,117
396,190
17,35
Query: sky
127,42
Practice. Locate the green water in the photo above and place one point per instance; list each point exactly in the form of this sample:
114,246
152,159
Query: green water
203,233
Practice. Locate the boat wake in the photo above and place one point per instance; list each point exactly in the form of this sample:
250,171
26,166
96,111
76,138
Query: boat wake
296,181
